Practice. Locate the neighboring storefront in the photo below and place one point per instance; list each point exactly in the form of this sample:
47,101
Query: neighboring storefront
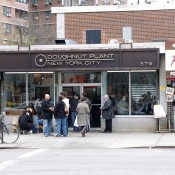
129,76
170,79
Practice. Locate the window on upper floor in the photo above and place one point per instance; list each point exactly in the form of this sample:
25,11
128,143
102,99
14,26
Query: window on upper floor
93,36
36,29
47,28
48,2
35,3
22,1
35,15
48,14
21,14
7,28
6,11
25,30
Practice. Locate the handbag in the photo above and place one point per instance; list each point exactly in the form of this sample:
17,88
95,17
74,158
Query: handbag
75,123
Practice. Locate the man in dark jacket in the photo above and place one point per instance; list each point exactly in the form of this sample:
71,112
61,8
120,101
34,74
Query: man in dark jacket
73,107
47,108
61,118
107,113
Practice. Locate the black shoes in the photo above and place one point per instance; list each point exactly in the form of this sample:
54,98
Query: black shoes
83,133
107,131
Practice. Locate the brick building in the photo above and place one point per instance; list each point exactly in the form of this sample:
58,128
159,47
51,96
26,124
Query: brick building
148,23
13,20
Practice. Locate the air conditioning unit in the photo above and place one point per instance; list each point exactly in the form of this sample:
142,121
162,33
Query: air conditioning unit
35,4
47,17
8,14
47,3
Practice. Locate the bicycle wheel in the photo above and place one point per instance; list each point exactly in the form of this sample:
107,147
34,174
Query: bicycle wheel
10,133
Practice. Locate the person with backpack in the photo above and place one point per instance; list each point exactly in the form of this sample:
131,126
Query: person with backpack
61,118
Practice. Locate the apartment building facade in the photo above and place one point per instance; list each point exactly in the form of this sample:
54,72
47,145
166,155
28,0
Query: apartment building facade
13,21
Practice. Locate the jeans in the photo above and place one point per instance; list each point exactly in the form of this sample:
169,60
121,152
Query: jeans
38,121
73,117
47,127
61,123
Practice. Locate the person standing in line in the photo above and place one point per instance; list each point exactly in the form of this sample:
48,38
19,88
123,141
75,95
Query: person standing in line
84,94
60,117
38,118
66,101
107,113
47,108
83,115
87,100
73,106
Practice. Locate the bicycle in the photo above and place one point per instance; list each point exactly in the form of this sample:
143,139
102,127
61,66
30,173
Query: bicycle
8,132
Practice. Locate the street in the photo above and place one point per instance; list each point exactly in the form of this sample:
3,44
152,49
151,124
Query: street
87,161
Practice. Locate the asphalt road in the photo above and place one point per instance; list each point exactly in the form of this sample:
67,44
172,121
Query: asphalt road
87,161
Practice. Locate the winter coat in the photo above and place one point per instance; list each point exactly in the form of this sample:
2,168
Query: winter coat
107,110
25,122
59,110
83,114
47,113
73,104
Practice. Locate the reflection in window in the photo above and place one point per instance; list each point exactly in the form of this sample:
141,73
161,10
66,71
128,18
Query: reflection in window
118,88
39,85
92,77
15,96
143,93
14,93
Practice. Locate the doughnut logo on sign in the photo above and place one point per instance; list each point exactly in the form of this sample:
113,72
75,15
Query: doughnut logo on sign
40,60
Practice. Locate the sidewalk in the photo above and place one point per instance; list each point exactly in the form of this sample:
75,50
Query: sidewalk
95,140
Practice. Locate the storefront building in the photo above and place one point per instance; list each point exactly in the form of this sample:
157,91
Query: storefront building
129,76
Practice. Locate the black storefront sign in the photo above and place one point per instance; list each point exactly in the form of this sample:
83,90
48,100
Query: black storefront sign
104,59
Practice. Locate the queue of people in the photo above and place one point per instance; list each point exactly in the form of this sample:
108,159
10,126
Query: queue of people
80,108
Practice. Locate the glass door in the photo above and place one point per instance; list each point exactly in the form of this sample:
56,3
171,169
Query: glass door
93,92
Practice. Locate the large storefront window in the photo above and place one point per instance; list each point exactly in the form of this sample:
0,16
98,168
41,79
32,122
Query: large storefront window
40,84
23,89
143,93
118,89
14,93
132,93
